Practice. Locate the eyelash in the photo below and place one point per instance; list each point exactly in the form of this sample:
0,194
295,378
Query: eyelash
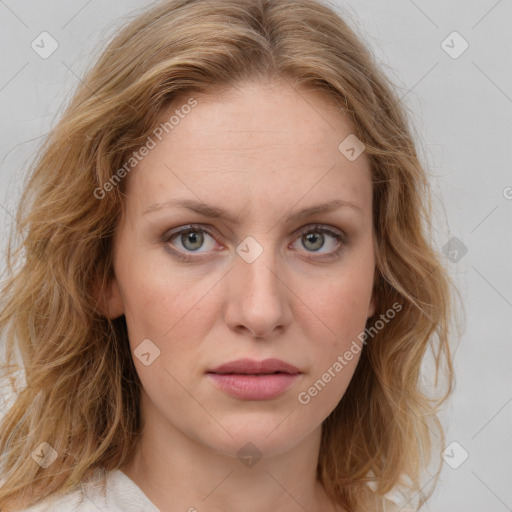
341,238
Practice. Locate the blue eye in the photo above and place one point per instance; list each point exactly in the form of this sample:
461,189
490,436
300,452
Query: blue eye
313,239
190,239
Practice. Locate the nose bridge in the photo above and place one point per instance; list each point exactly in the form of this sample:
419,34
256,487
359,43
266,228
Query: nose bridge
257,266
259,300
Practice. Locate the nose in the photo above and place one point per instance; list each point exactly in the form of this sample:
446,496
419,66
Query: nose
258,297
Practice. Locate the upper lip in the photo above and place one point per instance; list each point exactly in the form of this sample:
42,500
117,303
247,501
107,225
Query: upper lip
251,366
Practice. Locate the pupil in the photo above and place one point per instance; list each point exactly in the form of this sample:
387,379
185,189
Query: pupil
193,238
311,238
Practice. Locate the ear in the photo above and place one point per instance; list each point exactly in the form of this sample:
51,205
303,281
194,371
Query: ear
371,308
108,297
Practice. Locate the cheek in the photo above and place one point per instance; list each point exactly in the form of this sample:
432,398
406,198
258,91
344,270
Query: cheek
340,317
163,305
338,307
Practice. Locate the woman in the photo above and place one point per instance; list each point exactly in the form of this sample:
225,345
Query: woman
228,288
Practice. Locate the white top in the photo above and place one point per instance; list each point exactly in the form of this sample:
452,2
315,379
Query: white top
122,495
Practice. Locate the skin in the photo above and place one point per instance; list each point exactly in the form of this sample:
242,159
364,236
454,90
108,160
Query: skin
261,150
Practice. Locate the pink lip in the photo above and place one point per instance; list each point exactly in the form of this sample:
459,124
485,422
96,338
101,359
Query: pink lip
248,379
250,366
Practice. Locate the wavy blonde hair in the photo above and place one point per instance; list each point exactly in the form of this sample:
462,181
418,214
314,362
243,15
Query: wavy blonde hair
81,390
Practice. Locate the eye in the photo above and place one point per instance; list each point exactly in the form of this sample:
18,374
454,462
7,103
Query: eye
190,239
315,238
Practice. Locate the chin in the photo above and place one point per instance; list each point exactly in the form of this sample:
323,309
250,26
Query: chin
266,435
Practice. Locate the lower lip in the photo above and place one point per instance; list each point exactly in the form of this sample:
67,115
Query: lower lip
254,387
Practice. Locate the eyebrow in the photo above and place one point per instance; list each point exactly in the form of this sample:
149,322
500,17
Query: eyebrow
221,213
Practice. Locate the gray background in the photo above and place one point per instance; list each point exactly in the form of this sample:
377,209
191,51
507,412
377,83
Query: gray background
462,113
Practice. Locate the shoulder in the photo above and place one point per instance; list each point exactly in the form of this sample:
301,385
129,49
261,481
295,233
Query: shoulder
110,492
71,502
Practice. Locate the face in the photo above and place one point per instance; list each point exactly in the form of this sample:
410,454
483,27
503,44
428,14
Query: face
245,267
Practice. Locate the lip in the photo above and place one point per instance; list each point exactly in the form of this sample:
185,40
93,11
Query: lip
248,379
251,366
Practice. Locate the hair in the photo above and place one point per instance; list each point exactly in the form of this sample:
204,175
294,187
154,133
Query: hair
81,390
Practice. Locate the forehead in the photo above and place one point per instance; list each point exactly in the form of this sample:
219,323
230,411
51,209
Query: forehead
255,144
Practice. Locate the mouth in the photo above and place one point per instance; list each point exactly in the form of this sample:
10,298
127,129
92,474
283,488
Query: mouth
252,367
247,379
